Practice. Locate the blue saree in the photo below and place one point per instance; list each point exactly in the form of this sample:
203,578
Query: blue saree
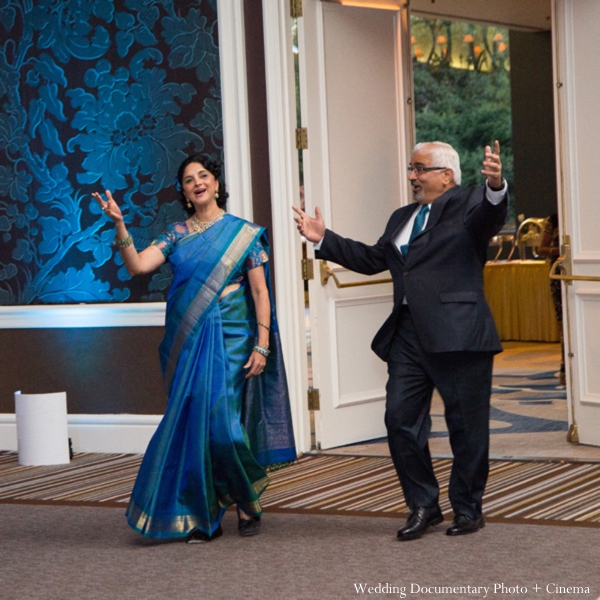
219,430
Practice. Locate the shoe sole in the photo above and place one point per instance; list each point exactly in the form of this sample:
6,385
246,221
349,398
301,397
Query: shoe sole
246,533
249,534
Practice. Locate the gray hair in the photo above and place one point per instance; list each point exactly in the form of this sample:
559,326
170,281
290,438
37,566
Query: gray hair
442,155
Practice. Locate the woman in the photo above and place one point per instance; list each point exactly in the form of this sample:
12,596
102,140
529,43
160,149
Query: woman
228,413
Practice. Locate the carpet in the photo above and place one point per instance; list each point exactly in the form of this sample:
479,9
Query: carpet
540,393
542,492
524,403
89,553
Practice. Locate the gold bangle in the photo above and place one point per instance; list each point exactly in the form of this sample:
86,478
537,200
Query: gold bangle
124,243
263,325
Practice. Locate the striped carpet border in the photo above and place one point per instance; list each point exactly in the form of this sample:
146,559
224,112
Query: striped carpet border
540,492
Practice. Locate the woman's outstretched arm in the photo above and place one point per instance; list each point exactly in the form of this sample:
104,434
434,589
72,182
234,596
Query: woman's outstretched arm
136,263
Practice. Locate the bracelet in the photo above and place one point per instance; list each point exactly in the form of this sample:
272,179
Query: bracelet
262,350
263,325
124,243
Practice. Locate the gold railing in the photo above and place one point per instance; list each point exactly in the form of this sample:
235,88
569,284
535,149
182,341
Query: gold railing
564,262
327,274
558,265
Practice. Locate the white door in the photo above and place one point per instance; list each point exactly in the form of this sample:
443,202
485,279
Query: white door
353,69
577,78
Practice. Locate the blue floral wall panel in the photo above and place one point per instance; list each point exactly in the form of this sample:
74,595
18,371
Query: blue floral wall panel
109,94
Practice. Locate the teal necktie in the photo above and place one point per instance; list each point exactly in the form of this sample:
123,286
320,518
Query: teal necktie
417,227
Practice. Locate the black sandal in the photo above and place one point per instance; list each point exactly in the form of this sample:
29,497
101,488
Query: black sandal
248,527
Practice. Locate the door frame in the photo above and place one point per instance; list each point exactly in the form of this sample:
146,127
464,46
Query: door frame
285,191
582,403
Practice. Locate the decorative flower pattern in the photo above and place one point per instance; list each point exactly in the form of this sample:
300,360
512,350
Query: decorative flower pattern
110,94
130,128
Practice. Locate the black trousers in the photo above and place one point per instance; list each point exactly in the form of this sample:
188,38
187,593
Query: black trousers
464,380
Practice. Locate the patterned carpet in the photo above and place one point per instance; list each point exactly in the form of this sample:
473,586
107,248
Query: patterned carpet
513,395
532,402
540,492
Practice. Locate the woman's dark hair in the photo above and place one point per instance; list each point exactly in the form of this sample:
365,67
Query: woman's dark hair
212,166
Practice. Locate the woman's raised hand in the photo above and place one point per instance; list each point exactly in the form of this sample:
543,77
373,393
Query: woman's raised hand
312,228
109,207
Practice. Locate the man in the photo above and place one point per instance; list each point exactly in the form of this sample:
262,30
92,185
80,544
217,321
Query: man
441,333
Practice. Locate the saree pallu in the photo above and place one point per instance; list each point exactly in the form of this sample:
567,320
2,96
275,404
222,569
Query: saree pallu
202,459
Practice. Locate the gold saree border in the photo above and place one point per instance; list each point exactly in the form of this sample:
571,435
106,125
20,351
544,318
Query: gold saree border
213,286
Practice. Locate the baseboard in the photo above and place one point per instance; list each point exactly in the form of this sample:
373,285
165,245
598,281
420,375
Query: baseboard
127,434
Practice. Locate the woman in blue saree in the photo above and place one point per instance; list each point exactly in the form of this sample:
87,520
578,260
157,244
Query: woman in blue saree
227,415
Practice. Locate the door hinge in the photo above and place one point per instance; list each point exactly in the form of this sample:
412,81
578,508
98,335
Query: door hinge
308,269
296,8
314,399
301,138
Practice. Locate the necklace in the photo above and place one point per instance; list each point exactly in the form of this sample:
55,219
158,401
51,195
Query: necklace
200,226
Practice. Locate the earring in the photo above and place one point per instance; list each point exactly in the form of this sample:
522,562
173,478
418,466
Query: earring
216,195
189,204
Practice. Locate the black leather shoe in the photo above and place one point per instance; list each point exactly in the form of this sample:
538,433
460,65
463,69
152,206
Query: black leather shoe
463,525
419,522
199,537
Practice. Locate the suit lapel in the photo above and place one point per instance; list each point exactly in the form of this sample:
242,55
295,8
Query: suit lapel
437,207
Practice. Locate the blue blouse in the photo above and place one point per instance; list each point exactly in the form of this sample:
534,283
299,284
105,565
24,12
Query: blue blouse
167,240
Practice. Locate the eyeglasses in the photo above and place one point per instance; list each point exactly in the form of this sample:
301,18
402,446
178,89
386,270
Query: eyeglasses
419,170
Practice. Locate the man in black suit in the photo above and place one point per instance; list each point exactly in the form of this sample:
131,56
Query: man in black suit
441,333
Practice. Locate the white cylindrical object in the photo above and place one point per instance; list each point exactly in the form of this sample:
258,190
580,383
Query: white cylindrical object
42,431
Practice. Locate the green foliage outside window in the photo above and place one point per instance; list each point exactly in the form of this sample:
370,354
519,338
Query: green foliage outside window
462,91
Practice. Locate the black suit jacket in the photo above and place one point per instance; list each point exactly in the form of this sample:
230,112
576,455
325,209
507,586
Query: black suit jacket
441,276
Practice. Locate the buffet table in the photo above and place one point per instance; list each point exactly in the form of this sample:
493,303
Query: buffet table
518,293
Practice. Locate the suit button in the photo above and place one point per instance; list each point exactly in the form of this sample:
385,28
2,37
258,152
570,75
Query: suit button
405,273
